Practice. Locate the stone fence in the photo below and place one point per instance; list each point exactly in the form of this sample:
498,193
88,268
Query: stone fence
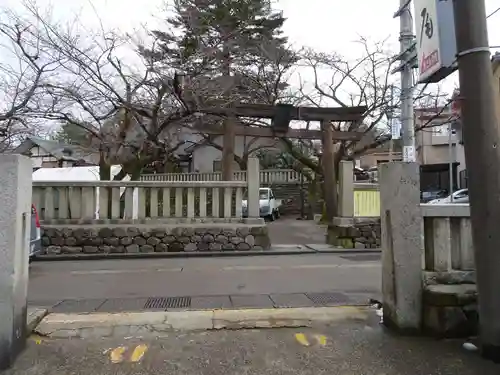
428,271
449,290
78,201
267,176
150,216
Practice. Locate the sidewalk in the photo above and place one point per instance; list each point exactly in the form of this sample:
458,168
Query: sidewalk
346,348
205,302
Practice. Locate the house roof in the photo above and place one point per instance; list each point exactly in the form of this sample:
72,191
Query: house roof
61,151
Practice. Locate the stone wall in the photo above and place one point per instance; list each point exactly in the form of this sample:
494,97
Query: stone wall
91,239
450,304
355,233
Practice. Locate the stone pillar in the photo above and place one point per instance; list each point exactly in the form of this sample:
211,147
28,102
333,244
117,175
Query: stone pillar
15,224
346,189
402,245
253,185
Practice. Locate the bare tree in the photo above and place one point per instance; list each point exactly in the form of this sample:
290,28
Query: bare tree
364,81
133,112
338,81
24,66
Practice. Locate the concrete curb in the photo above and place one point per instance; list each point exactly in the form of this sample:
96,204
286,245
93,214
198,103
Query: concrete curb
160,323
206,254
33,317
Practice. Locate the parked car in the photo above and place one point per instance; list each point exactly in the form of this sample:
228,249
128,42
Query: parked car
268,205
459,196
430,195
35,235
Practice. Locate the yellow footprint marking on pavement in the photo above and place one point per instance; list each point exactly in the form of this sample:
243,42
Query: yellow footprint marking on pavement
302,339
321,339
138,353
116,354
37,339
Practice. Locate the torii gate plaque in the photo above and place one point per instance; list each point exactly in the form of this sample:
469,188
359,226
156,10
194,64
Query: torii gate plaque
281,115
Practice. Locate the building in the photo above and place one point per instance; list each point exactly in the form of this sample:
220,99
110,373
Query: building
206,158
53,154
433,142
434,147
382,154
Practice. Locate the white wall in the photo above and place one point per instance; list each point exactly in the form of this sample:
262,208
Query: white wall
204,156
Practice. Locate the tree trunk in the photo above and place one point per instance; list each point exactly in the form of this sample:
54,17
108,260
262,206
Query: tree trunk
135,174
243,162
104,168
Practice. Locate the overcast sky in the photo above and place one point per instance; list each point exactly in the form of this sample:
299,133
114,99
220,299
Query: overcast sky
322,24
327,25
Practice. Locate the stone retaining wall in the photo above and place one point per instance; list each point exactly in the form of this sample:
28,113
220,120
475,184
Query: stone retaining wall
450,304
87,239
355,233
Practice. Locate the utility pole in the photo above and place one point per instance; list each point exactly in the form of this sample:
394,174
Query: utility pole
406,40
482,155
451,160
391,124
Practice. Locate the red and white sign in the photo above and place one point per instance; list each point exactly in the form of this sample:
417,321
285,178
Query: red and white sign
436,46
429,62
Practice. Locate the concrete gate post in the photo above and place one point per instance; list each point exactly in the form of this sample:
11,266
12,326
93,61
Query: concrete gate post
346,189
253,185
402,245
15,223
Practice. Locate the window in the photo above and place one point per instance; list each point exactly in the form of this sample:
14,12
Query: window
440,129
263,194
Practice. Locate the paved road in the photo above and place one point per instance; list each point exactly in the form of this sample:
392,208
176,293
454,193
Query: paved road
349,348
81,280
288,230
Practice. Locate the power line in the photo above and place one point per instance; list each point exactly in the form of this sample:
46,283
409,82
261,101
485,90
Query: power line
492,13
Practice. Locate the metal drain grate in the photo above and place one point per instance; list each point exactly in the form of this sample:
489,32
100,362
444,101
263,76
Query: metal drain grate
167,303
327,298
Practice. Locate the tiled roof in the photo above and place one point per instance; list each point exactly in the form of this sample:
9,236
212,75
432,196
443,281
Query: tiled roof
62,151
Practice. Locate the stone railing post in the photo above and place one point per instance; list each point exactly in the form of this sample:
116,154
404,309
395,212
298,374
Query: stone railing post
15,225
402,245
346,189
253,185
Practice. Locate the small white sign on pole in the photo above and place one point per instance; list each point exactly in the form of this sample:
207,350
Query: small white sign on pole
395,129
436,44
409,154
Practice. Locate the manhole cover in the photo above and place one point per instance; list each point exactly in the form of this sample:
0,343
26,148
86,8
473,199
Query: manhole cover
167,303
363,257
327,298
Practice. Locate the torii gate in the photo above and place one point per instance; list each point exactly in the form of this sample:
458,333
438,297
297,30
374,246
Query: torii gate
281,115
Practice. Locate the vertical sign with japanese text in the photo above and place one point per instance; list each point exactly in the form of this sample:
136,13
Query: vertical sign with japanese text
436,45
